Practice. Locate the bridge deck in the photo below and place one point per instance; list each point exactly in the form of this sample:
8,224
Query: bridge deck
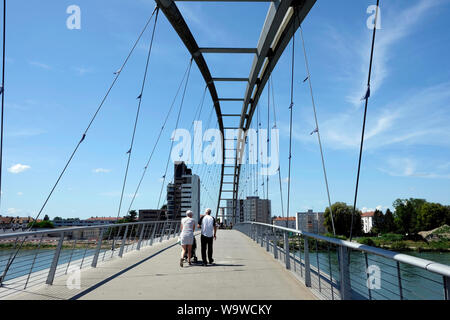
243,270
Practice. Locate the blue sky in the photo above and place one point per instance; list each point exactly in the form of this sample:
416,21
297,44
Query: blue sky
56,77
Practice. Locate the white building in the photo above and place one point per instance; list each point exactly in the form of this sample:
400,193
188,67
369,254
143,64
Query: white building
312,222
367,221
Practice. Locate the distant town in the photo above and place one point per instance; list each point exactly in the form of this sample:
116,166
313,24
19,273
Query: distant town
415,224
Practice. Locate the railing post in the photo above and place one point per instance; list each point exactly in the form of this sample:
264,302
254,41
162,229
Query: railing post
446,287
275,246
267,240
54,265
162,231
124,239
399,277
307,264
344,276
140,237
97,249
170,230
155,225
287,256
262,236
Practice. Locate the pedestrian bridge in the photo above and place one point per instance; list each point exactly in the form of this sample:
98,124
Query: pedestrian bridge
242,270
141,261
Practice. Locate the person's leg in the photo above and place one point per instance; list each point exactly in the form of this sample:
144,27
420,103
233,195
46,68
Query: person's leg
183,250
189,253
210,250
203,244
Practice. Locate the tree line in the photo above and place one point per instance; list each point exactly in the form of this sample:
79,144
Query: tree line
410,216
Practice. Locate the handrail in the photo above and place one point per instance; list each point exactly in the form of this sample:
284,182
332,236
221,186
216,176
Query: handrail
62,229
428,265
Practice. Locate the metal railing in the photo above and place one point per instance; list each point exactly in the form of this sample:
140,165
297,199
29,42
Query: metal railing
341,270
47,254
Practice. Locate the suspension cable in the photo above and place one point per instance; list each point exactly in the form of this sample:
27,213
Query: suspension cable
2,92
366,97
130,151
157,140
268,140
290,123
317,128
279,167
176,127
83,137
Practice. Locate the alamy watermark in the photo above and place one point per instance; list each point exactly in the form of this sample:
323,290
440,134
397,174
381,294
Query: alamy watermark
372,10
253,147
373,277
73,281
74,20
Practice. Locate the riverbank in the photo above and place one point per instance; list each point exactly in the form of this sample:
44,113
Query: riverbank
406,245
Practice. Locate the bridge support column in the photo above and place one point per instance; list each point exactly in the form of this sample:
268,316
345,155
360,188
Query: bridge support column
287,256
307,264
97,249
140,237
344,274
124,239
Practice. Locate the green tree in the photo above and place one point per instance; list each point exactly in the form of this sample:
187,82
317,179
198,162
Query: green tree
342,214
46,218
378,223
431,216
57,219
45,224
405,216
389,222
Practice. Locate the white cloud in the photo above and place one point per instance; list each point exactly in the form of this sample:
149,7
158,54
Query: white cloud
20,193
13,211
396,25
82,71
407,167
40,65
18,168
101,170
407,120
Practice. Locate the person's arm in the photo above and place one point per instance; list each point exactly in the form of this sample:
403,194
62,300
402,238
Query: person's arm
215,228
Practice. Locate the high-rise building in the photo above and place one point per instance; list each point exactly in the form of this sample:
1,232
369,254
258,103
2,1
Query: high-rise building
239,211
311,222
250,209
184,193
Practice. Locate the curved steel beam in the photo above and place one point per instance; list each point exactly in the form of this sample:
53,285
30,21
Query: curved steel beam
170,10
282,21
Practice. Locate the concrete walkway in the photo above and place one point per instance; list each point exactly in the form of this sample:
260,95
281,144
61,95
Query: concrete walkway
243,271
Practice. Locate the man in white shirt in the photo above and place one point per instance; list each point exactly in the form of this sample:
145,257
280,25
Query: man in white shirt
209,228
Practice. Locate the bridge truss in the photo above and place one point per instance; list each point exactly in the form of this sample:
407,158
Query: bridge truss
283,18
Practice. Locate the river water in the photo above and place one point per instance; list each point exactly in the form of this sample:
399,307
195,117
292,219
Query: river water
416,283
